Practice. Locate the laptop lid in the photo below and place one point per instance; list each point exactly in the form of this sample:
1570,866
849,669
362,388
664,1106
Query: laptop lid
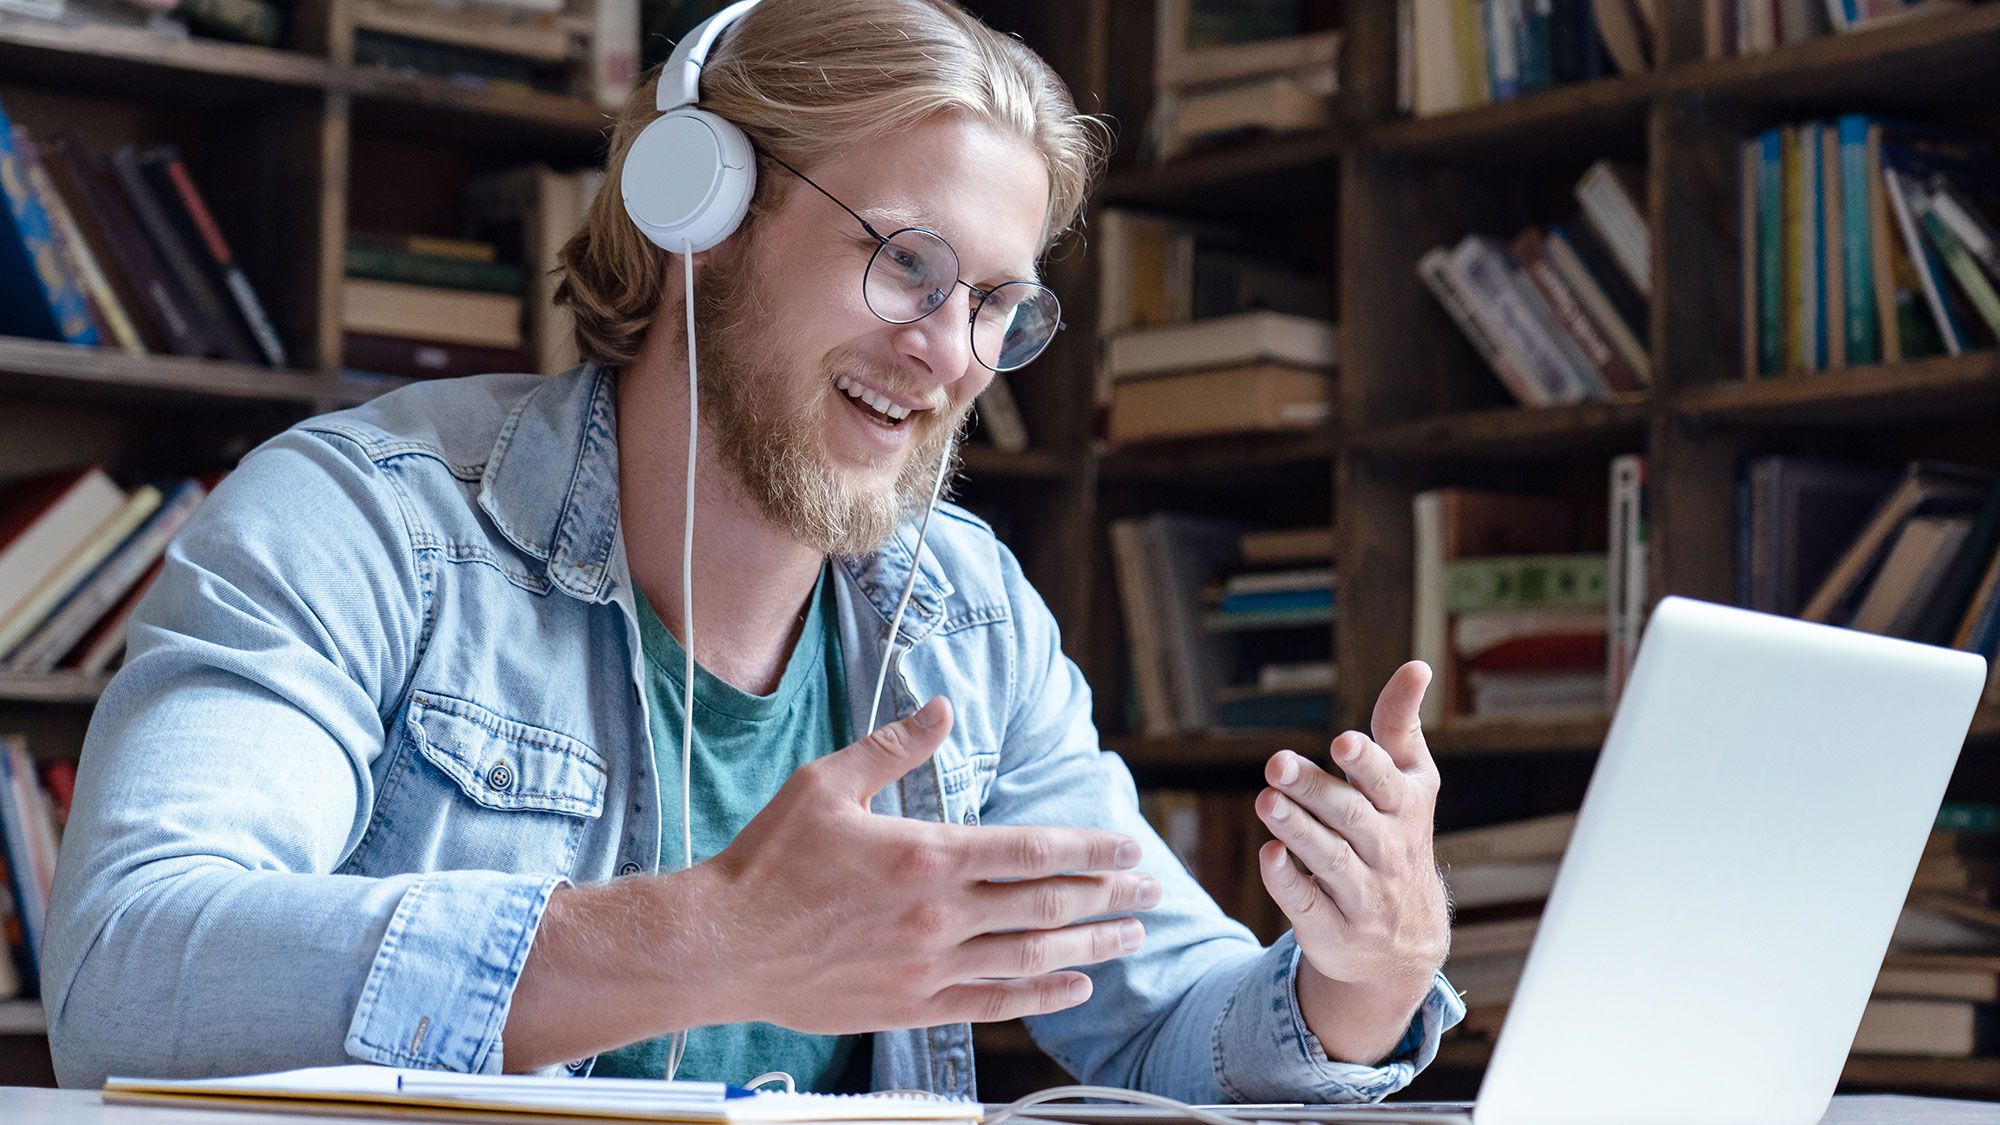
1744,847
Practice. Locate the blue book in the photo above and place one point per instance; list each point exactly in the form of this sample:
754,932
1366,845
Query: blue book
1531,50
1812,162
1502,65
1771,252
1859,314
38,297
1265,601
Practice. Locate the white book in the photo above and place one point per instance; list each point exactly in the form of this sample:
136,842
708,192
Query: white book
1627,570
1279,581
1488,884
1619,220
1474,633
27,616
1224,341
1486,939
1439,276
1542,837
1490,286
63,527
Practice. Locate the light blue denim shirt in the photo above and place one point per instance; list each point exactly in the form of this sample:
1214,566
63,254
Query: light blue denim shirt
385,697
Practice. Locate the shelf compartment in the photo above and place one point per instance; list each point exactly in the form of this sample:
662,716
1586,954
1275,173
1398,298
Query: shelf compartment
1510,432
1886,393
532,124
136,63
1288,172
1905,63
1557,122
57,370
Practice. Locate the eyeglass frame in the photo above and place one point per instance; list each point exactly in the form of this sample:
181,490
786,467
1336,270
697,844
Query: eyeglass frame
980,295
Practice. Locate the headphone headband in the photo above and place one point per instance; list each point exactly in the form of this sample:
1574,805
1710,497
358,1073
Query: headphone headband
680,78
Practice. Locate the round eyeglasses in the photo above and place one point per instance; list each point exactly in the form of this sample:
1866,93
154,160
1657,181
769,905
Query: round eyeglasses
911,275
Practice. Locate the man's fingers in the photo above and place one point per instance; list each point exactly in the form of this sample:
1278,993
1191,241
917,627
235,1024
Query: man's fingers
1370,769
1005,852
1032,953
996,1000
1296,894
866,767
1325,853
1395,723
1045,904
1339,805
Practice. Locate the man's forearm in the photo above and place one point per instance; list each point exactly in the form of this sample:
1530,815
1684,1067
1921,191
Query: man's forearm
605,971
1354,1023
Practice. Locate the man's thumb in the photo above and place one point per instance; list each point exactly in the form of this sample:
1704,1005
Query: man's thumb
895,749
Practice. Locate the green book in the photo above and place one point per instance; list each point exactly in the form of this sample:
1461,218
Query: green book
1962,816
1527,582
1960,263
384,263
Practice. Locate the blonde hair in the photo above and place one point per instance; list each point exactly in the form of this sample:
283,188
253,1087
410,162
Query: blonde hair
808,79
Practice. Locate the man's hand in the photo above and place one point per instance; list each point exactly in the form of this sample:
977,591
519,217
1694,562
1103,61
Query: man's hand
1368,908
845,921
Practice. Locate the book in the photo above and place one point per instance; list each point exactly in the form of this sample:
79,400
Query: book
1861,319
614,51
1566,581
1942,1028
1437,85
108,584
28,834
1231,341
1597,302
538,209
1542,837
1803,514
43,520
1948,606
1440,276
114,233
114,323
1926,488
1000,416
1939,977
1608,365
1138,588
1286,546
1923,548
487,29
1146,269
1454,524
106,640
38,297
1923,261
168,176
1611,194
217,323
1537,694
1972,281
57,582
1262,396
1275,103
1626,569
1278,581
1966,220
455,316
424,245
425,359
446,271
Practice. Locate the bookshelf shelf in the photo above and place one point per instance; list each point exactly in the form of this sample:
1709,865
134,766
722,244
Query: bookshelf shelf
384,99
103,375
1472,736
1032,464
1292,171
1886,393
1558,121
1248,750
1511,431
1175,460
53,687
138,63
22,1017
1914,59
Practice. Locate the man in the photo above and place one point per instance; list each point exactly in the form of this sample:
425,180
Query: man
391,772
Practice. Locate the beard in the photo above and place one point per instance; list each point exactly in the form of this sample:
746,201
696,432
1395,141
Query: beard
772,437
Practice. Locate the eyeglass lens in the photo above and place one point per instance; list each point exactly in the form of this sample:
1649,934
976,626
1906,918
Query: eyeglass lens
913,272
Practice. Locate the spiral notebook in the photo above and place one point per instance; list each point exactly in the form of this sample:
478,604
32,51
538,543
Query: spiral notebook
324,1089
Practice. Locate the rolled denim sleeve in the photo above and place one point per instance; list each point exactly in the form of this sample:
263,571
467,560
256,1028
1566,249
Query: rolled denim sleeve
1265,1052
1201,1012
200,923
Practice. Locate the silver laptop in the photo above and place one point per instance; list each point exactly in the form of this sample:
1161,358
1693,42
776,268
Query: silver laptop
1742,853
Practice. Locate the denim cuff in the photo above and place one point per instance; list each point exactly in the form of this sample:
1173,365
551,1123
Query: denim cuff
1264,1013
443,979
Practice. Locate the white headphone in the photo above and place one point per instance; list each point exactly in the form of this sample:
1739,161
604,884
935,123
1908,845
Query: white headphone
689,175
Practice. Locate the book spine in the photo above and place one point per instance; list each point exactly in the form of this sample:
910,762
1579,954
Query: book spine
1863,340
1926,266
117,322
1582,370
62,235
1491,287
245,21
1610,368
20,857
1964,222
381,263
1963,269
1436,271
424,359
1503,63
1532,45
1430,625
1617,218
53,301
1772,346
1603,311
125,243
1882,247
222,261
1000,415
1832,251
178,259
1626,570
1527,582
16,626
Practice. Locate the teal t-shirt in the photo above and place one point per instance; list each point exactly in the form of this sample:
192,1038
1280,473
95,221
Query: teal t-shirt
745,746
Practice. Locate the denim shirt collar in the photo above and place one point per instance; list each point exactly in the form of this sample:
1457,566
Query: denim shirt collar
569,520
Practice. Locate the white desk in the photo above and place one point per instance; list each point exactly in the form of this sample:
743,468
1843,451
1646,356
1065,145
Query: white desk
28,1105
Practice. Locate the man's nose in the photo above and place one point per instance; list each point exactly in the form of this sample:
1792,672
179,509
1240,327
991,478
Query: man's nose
942,341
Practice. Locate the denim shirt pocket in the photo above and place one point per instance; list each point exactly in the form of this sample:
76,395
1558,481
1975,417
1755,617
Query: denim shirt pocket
473,790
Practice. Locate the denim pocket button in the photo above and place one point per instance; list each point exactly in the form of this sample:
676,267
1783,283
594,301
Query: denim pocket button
500,777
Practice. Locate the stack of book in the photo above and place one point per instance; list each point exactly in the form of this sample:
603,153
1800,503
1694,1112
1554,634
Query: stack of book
1224,68
1559,314
1939,984
1216,835
1513,619
76,554
121,253
260,22
1227,627
33,806
426,307
1914,554
581,47
1499,877
1866,241
1457,54
1205,331
1750,27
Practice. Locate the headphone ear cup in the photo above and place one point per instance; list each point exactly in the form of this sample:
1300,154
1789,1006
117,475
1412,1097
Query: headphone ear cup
688,178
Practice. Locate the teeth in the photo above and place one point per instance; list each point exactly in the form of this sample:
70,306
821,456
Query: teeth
879,403
897,412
